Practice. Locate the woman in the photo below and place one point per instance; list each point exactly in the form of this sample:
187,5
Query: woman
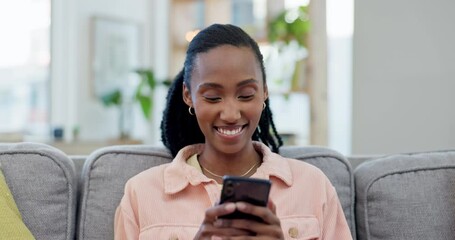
217,111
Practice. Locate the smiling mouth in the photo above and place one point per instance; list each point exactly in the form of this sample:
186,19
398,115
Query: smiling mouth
229,131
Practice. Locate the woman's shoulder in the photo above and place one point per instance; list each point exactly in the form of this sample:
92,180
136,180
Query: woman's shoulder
302,169
277,157
297,163
294,164
309,177
149,175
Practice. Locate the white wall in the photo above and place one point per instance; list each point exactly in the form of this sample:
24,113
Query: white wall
73,101
340,24
404,76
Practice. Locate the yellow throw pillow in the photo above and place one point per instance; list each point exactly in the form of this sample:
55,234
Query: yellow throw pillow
11,224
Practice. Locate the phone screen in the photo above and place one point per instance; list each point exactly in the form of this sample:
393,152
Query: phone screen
250,190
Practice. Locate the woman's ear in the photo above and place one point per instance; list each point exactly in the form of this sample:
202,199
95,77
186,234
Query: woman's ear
186,94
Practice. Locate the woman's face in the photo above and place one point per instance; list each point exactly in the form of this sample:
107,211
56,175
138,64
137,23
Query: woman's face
227,94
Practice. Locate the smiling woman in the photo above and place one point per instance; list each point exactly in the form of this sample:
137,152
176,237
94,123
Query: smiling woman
217,122
227,98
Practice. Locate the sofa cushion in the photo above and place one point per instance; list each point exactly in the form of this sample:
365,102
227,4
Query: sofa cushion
406,196
43,183
103,178
106,171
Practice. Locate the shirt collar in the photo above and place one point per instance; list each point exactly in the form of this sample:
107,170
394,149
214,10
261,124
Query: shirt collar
178,175
273,165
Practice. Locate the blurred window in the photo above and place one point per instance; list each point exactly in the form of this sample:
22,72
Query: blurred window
24,67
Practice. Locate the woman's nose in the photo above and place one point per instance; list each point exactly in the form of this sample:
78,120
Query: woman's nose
230,112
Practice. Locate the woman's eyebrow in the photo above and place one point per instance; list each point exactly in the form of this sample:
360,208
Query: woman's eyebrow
219,86
209,85
246,82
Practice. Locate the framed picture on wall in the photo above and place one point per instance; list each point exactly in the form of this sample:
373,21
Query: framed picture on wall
115,51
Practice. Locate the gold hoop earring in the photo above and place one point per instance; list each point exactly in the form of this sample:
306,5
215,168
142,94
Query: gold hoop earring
189,111
263,105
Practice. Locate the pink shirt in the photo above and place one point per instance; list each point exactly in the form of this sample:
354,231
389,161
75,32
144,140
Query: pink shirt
169,201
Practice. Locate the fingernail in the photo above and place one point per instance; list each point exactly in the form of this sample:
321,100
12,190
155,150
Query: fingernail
216,238
240,205
230,206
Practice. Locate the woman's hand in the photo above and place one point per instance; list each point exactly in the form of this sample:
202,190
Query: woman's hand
208,229
220,228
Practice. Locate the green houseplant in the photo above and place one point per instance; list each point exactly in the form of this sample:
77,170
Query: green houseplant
290,25
288,34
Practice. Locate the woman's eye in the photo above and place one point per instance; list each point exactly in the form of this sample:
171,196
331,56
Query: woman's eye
212,99
246,97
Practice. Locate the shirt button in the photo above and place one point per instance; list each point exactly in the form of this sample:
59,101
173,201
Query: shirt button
174,238
293,232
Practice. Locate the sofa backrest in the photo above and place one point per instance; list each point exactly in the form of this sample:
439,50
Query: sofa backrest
106,171
406,196
43,183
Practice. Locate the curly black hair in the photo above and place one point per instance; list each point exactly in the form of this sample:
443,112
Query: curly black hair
178,127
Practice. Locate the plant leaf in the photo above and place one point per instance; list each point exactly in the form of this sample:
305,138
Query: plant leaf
147,76
150,79
113,98
146,105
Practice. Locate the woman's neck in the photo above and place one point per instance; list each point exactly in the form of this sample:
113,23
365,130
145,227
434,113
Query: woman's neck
240,163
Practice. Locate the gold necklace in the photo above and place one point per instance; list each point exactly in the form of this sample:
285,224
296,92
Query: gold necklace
216,175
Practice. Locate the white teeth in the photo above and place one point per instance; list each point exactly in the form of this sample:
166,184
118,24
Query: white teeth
229,132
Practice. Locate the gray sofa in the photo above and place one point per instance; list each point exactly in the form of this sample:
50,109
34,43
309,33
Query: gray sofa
408,196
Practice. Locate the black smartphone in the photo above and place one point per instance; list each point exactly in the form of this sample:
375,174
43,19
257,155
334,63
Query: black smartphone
241,189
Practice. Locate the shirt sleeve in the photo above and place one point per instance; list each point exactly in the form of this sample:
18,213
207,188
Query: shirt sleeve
335,225
126,226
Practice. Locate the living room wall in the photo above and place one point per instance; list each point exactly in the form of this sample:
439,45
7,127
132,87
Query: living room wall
73,101
404,76
403,72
